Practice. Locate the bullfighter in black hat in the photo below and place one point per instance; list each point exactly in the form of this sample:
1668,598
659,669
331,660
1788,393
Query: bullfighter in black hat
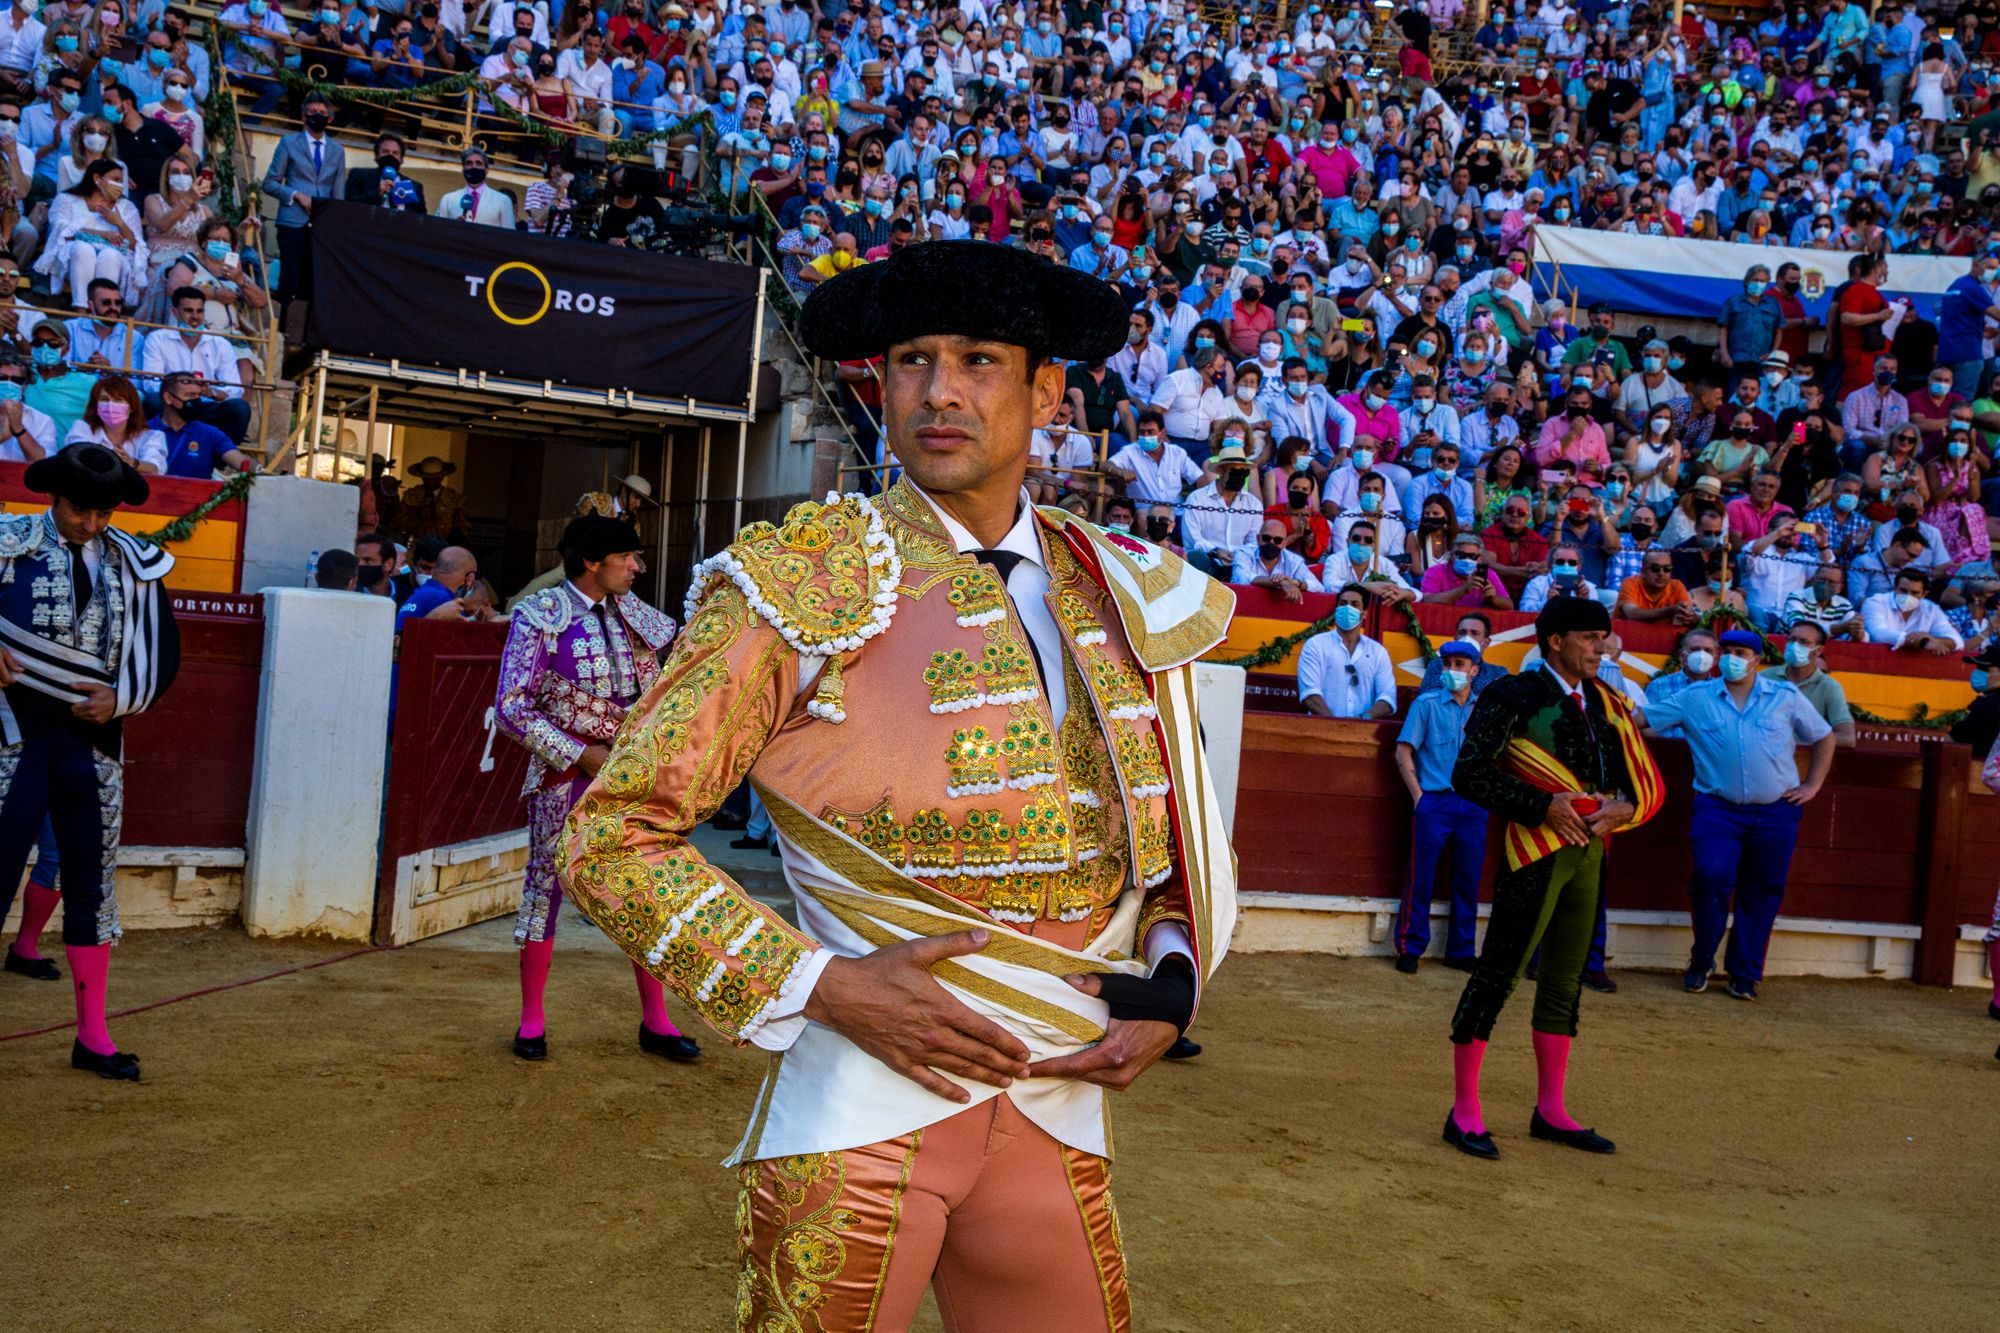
578,655
1560,756
87,638
973,723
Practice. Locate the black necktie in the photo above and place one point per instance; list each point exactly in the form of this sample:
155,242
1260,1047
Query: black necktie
79,578
1003,563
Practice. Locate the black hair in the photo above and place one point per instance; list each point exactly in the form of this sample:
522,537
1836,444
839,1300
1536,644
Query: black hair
335,569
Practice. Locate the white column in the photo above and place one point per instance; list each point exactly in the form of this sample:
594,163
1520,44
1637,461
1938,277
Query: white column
1219,695
316,789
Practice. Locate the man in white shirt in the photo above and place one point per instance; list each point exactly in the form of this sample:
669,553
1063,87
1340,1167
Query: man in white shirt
1906,620
1564,579
589,73
1154,471
1269,563
1360,560
20,40
17,318
1343,673
1223,515
1141,362
1173,318
1178,397
192,349
1302,408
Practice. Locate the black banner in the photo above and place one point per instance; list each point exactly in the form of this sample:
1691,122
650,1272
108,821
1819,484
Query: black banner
442,292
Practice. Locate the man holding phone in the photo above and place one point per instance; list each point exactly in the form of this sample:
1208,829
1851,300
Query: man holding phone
448,593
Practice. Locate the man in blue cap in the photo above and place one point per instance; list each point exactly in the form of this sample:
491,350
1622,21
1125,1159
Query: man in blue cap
1426,750
1742,730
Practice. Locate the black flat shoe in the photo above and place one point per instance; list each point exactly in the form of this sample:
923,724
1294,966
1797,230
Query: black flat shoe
1469,963
1472,1145
1182,1049
1587,1140
1406,963
675,1047
749,844
730,823
1992,1006
41,969
531,1048
1600,982
117,1065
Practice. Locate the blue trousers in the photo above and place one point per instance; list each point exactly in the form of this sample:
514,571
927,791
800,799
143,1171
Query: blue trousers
1444,822
1742,855
59,780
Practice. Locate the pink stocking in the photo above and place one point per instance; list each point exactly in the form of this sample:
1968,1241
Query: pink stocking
534,980
37,906
88,966
1465,1060
653,1004
1551,1069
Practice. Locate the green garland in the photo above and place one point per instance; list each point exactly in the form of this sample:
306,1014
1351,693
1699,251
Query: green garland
183,527
1276,650
1412,626
1920,718
218,117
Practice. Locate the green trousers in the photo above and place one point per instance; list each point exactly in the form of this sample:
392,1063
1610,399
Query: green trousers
1551,904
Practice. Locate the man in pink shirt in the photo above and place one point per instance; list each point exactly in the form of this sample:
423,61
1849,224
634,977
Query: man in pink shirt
1460,581
1330,163
1374,419
1576,439
1752,516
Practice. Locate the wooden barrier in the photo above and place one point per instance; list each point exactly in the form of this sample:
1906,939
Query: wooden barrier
188,759
1896,837
210,560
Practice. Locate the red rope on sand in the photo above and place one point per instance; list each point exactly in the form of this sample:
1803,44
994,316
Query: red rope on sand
209,990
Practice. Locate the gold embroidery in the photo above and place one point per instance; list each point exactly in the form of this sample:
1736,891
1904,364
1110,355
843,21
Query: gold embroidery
952,681
974,763
920,538
1078,616
1120,689
780,1290
978,597
1030,751
1008,671
1140,760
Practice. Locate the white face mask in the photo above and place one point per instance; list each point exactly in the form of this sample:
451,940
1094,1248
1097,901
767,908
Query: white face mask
180,180
95,142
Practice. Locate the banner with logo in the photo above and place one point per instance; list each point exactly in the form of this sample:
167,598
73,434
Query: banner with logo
449,293
1666,275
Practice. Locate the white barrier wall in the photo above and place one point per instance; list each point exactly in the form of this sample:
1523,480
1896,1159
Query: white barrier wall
316,790
286,519
1219,694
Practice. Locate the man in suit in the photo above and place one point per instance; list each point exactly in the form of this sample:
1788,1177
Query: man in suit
308,166
384,185
478,201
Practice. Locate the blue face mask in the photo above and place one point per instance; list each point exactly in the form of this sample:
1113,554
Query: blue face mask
1370,502
1445,474
10,392
1357,554
1152,444
809,230
69,102
1734,667
1347,617
1464,565
158,57
1202,344
1454,680
1798,654
217,250
1980,679
1847,503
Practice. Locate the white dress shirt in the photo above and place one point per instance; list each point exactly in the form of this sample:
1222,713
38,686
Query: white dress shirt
1337,571
42,430
1886,624
1212,520
149,446
1159,477
1323,670
211,357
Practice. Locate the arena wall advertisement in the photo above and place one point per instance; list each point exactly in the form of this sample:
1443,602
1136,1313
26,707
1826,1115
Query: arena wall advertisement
1663,275
447,293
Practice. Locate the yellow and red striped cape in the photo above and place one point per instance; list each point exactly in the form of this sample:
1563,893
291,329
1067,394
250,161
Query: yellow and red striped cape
1543,771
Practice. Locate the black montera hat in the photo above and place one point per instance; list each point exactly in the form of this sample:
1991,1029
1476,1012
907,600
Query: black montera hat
1570,615
88,475
974,289
593,537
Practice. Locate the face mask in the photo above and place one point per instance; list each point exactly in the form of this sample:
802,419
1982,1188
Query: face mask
113,413
1297,388
809,230
1362,460
1564,570
1957,449
1798,654
475,175
180,180
1884,378
1739,432
10,392
1152,444
1464,565
1906,602
46,355
1755,288
1980,679
1650,363
1454,680
1465,252
1347,617
1735,668
95,142
1425,347
67,45
1699,662
781,161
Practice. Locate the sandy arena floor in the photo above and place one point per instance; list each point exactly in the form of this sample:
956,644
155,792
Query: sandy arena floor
353,1147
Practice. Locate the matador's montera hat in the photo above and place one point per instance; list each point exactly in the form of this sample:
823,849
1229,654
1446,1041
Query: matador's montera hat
973,289
88,476
594,537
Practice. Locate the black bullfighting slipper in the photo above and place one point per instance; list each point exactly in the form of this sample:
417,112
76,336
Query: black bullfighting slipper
117,1065
1587,1140
1992,1006
42,969
748,844
1469,963
1472,1145
531,1048
675,1047
1182,1049
1406,963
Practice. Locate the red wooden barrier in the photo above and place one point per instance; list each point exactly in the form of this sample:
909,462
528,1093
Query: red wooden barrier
452,777
1321,810
188,758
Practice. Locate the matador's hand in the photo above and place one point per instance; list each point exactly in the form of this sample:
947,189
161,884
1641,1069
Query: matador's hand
890,1005
1611,815
1148,1014
1565,822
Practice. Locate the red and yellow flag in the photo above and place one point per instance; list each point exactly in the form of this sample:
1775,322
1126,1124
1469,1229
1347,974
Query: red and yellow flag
1543,771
